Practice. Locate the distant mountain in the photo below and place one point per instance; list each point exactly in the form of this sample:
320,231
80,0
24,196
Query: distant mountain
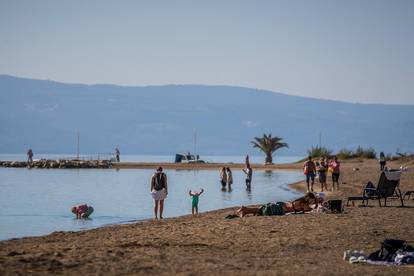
45,115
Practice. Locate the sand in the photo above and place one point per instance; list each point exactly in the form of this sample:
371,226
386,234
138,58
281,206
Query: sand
209,244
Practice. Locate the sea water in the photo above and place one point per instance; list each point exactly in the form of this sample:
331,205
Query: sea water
38,201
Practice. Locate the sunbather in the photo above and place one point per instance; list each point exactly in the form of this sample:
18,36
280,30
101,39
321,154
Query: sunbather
303,204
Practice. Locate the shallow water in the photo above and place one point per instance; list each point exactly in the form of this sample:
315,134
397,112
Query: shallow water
37,201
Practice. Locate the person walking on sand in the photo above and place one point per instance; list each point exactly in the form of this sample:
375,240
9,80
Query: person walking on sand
223,177
382,161
322,168
249,174
29,156
117,155
229,177
334,165
159,191
309,170
194,201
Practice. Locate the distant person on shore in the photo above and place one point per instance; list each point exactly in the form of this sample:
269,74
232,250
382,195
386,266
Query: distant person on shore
223,177
309,170
194,201
159,191
334,165
229,177
82,211
30,156
322,167
382,161
248,171
117,155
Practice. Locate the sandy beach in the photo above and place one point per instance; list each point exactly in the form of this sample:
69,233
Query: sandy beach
209,244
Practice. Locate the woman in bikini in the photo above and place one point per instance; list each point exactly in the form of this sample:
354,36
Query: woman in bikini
302,204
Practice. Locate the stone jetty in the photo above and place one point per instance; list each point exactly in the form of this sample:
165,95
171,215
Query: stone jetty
59,164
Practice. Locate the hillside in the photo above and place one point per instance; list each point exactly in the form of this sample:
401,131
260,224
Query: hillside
45,116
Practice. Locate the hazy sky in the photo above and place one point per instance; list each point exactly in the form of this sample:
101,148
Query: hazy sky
357,51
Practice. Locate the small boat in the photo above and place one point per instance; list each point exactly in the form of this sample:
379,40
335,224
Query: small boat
188,158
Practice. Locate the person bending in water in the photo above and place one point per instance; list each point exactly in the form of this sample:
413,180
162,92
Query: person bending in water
194,201
302,204
82,211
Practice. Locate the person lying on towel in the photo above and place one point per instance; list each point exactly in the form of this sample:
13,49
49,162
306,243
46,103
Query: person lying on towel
303,204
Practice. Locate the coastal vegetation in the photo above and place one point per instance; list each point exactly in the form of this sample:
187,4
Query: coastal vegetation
269,145
359,152
319,151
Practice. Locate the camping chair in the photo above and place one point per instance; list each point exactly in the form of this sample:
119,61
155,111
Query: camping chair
387,187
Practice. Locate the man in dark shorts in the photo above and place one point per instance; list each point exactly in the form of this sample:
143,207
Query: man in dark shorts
309,170
249,173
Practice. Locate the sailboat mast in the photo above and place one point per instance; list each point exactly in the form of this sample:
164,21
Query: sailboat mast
78,145
195,144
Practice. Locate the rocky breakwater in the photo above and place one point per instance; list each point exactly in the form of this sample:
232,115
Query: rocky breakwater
59,164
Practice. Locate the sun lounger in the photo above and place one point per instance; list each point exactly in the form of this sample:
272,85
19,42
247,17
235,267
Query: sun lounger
387,187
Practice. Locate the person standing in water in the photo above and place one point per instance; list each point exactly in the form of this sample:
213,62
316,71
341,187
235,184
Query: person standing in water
223,177
229,177
249,173
159,191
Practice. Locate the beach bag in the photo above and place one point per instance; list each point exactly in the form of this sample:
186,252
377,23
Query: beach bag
335,205
369,189
159,181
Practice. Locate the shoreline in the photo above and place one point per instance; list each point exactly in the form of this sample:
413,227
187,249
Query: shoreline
203,166
256,245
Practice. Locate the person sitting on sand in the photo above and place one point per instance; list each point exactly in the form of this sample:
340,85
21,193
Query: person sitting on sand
82,211
194,201
303,204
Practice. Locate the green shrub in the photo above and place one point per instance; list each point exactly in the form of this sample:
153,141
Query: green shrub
360,152
345,154
317,151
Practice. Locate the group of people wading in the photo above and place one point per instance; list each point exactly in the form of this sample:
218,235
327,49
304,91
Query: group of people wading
159,187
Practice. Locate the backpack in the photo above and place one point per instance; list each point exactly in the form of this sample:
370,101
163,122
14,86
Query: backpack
388,249
159,181
369,189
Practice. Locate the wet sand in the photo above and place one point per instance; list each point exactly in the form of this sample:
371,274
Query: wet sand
209,244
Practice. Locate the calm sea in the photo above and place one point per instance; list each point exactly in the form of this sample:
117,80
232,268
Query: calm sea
38,201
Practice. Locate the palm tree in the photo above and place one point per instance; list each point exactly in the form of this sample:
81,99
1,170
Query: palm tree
268,145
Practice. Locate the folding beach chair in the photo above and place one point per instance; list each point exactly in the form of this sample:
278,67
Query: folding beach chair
387,187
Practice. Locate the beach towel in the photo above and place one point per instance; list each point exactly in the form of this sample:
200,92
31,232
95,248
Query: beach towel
272,209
